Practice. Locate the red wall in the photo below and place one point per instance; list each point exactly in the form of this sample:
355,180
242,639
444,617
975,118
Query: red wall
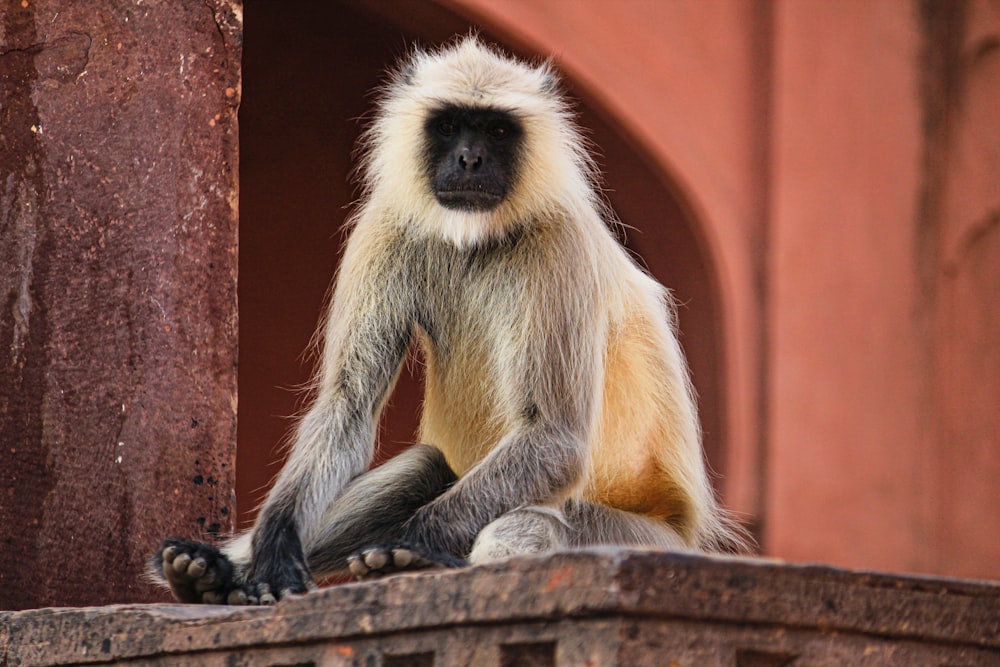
848,465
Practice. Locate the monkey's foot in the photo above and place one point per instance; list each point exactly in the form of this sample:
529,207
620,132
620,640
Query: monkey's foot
199,572
386,559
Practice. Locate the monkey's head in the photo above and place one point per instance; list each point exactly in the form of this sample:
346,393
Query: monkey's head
472,156
469,143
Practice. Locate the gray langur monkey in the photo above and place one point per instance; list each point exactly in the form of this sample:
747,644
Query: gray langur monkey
557,403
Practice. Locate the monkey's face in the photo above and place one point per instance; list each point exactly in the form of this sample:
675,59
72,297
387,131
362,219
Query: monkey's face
472,156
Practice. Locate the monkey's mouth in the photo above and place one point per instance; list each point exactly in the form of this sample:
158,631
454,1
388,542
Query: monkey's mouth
469,200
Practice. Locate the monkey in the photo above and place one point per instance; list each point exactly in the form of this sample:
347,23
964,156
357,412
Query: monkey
558,410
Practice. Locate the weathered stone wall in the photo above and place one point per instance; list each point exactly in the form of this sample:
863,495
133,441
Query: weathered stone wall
118,233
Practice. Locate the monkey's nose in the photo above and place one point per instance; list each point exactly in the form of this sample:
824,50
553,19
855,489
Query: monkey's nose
471,158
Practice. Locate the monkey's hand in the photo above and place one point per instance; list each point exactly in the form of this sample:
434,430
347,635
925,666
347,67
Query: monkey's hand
388,558
197,572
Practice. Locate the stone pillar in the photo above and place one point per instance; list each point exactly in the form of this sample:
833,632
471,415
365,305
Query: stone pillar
118,240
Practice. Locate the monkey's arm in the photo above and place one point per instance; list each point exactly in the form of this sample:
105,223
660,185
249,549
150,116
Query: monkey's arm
366,336
535,464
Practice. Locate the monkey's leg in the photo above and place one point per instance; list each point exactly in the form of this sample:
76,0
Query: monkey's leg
523,531
363,529
374,507
371,510
577,523
593,524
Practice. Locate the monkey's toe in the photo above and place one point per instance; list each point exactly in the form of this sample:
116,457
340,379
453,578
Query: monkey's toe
386,559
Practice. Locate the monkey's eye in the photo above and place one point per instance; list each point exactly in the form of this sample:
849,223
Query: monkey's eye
497,131
446,128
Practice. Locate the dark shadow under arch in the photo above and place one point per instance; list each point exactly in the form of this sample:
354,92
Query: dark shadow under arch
307,72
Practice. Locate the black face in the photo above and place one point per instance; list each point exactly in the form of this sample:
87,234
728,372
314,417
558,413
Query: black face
472,156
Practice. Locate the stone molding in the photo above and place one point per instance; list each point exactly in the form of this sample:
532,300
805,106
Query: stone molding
598,606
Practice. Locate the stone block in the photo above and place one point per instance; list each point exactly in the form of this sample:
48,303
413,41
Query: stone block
592,607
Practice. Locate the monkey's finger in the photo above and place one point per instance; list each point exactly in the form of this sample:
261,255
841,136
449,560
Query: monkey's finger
197,567
181,562
403,558
172,575
264,595
357,566
213,597
375,559
237,597
207,582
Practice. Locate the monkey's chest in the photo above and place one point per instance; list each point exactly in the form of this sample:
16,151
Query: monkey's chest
463,413
468,332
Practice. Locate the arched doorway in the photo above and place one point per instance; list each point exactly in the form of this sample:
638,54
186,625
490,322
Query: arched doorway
307,72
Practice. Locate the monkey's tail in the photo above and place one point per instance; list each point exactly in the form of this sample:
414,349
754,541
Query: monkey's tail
727,534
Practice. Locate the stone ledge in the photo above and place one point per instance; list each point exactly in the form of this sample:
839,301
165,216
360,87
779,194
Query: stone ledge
600,606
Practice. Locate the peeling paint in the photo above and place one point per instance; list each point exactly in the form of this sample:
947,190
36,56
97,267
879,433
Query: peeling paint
25,237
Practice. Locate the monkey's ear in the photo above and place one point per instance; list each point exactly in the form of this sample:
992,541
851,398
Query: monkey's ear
406,74
550,84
